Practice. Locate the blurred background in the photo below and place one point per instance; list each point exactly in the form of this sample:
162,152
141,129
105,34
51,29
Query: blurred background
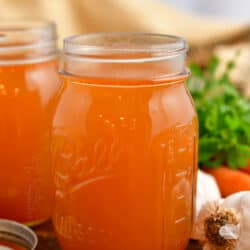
237,11
205,24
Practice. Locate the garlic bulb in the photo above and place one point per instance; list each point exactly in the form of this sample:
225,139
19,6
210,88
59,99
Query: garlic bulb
241,203
225,224
217,228
207,190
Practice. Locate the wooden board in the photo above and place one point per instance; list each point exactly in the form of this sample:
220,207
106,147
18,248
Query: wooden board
47,239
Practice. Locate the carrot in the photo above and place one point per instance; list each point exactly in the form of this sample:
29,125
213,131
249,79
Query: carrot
230,181
247,168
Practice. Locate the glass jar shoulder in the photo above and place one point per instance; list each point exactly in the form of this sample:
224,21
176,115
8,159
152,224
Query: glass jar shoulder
41,79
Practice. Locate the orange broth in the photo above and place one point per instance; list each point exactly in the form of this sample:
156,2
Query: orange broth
124,156
27,102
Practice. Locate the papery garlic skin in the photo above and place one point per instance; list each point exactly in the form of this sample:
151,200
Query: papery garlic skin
207,190
207,209
216,227
241,203
230,232
224,224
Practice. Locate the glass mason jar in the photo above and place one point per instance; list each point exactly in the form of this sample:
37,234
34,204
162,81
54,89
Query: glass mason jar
29,82
124,144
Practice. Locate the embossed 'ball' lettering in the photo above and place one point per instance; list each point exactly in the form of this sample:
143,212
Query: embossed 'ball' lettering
75,166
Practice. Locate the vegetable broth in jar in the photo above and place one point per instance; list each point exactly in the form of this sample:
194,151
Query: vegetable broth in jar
124,144
28,84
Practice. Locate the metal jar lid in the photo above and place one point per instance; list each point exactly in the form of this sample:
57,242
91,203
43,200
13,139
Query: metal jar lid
17,233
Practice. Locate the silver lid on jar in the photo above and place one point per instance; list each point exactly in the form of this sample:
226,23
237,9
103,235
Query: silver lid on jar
19,234
27,41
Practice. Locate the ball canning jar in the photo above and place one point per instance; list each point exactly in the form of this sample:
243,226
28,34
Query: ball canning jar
124,144
29,81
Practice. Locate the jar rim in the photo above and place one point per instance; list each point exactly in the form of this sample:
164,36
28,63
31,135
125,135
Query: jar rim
38,31
138,47
34,37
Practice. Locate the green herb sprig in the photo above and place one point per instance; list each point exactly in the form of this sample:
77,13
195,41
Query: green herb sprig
224,118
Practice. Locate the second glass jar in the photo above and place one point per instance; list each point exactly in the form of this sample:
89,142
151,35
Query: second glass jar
29,82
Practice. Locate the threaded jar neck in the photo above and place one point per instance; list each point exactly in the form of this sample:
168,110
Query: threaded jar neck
124,56
24,42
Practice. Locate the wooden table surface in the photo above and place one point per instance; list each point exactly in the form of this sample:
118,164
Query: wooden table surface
47,239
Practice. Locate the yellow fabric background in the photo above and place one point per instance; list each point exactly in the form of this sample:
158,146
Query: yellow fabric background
80,16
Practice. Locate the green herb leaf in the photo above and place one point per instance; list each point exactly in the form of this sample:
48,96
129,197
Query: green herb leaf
224,117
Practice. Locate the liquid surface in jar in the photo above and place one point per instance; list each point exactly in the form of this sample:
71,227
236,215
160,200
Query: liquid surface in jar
6,245
27,103
125,165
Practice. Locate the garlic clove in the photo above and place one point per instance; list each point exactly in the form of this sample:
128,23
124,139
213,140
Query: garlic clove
207,190
241,203
236,200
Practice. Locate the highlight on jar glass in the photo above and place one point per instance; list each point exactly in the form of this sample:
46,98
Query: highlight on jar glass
15,236
29,82
124,144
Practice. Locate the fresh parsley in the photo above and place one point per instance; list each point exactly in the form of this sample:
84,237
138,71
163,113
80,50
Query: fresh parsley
224,118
